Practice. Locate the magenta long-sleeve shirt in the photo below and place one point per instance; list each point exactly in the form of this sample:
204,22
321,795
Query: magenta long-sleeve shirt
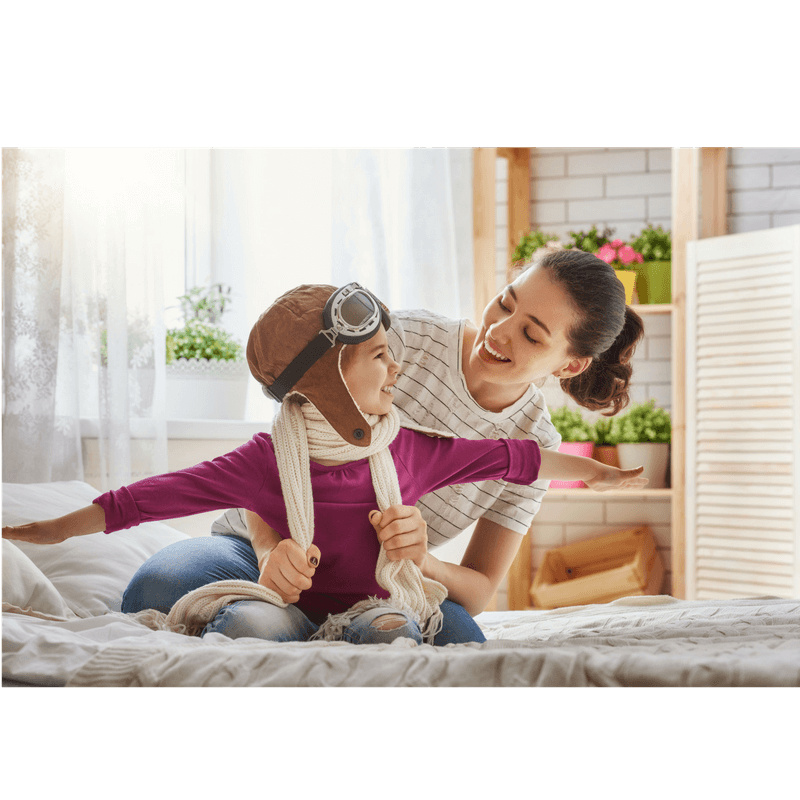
343,497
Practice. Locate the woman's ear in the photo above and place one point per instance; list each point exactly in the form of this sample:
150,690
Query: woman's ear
574,367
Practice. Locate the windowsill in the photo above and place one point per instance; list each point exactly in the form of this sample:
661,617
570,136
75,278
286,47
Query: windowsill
188,429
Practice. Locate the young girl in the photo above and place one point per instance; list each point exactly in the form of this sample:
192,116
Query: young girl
338,432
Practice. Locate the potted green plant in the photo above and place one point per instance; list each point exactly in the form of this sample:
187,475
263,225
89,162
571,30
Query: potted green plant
654,273
589,241
643,435
623,258
206,372
576,439
529,244
605,442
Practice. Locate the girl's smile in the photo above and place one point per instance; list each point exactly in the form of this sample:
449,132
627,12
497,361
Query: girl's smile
371,374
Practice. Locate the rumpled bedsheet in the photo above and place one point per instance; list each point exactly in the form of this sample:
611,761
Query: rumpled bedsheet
646,641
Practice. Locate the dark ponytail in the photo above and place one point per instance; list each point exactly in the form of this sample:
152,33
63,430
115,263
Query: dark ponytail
607,330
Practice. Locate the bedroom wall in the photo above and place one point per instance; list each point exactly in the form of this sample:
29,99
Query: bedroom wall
625,188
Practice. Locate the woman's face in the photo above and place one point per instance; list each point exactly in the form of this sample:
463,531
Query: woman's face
523,336
370,373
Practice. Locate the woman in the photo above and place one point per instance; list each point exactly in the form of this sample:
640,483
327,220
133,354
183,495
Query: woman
564,316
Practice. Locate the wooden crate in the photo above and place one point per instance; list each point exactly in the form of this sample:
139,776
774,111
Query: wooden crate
621,564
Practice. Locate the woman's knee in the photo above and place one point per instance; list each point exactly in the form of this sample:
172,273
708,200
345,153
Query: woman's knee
458,626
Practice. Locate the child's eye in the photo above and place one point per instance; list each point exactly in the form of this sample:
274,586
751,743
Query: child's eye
532,341
500,303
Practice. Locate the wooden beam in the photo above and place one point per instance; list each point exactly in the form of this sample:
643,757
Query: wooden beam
519,198
685,228
520,577
484,198
714,183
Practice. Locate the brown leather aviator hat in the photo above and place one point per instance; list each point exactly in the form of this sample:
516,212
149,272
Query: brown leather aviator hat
295,349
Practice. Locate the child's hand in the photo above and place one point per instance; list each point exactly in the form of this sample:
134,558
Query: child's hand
606,478
402,532
36,532
289,570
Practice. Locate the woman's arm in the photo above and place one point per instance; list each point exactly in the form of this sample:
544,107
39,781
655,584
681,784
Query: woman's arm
90,519
597,476
489,555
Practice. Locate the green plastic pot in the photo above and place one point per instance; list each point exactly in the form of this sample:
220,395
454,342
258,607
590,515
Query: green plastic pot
654,282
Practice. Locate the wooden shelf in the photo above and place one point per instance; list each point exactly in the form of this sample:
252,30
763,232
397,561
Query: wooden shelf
588,494
655,308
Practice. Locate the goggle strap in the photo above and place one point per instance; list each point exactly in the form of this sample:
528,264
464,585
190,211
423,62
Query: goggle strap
303,362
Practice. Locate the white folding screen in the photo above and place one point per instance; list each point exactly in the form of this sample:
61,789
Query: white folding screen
743,415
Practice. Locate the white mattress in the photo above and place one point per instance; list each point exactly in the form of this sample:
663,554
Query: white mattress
647,641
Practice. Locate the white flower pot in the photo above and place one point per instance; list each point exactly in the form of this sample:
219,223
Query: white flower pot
654,458
206,389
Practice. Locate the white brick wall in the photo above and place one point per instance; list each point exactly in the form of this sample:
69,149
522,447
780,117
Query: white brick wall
763,188
625,188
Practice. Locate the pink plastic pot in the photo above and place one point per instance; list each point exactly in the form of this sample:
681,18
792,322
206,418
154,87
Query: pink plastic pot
575,449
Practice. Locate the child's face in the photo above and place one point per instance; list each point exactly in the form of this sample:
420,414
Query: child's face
370,373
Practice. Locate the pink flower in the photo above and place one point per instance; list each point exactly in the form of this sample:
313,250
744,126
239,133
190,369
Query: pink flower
606,253
627,254
639,259
617,243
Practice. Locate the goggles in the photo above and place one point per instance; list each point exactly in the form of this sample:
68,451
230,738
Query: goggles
352,315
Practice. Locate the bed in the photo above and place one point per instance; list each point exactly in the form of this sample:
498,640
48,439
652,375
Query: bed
62,626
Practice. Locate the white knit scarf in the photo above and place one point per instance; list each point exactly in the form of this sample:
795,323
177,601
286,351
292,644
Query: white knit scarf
300,433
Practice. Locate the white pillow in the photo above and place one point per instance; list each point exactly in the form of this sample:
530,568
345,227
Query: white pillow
26,586
89,572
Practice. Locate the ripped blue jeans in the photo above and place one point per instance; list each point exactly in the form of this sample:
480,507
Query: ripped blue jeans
188,564
260,620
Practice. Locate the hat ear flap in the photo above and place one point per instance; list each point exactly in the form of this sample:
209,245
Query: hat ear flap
325,387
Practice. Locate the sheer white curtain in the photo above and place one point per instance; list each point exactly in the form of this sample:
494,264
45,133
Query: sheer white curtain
91,237
401,224
398,221
87,235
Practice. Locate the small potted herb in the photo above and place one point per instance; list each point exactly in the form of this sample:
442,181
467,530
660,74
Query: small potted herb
206,372
576,439
654,281
643,435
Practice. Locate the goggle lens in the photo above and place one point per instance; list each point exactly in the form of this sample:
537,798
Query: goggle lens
356,309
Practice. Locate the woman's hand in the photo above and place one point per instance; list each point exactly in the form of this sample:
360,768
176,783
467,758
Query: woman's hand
606,478
402,532
288,570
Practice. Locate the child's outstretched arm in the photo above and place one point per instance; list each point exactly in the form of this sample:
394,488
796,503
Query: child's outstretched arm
91,519
597,476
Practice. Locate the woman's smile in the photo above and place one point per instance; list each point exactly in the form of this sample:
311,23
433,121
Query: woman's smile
491,354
